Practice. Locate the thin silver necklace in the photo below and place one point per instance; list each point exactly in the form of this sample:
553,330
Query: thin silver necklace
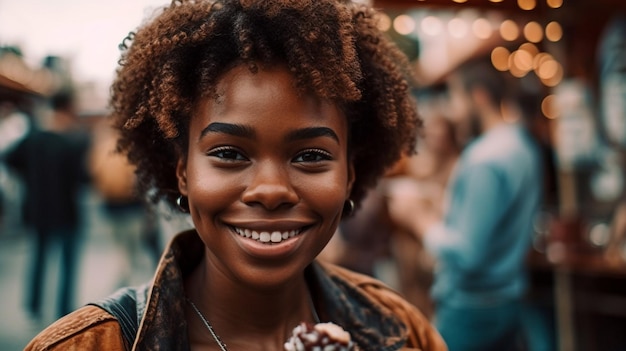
219,341
216,337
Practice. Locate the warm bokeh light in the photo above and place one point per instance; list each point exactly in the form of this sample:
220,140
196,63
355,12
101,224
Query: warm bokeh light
533,32
500,58
384,22
460,1
527,4
551,73
496,0
509,30
513,68
431,25
539,59
523,60
457,27
529,48
555,4
481,28
404,24
554,32
520,63
548,69
516,72
548,107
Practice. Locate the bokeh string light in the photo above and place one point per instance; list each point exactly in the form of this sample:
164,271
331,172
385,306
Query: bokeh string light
530,34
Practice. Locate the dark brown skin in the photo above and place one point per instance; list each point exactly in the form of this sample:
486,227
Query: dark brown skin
252,293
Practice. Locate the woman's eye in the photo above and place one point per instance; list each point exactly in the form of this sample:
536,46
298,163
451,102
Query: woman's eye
313,156
227,154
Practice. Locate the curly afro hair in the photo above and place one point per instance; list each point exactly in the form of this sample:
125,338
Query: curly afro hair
332,47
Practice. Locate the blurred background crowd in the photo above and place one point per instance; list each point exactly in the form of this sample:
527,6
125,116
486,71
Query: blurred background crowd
72,229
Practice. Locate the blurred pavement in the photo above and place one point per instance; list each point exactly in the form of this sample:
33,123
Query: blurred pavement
98,274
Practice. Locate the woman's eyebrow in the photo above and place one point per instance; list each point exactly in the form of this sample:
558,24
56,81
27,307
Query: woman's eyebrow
310,133
229,128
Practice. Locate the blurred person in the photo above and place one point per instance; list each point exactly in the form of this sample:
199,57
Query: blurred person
363,240
131,221
363,243
427,173
266,122
431,168
51,164
482,239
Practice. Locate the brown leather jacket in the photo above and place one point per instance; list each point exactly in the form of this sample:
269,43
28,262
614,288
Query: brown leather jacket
376,316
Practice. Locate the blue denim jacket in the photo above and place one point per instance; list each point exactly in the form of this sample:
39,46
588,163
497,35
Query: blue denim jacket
483,241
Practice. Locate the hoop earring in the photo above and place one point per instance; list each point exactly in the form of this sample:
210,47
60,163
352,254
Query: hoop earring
183,204
348,208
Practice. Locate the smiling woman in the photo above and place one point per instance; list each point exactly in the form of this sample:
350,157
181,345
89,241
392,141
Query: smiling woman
274,161
266,121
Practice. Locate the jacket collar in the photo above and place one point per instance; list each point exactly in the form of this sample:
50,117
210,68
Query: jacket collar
347,305
164,327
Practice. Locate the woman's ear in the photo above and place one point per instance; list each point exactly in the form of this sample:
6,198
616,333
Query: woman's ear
181,174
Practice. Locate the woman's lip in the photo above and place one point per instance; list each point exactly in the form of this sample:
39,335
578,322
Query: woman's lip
269,249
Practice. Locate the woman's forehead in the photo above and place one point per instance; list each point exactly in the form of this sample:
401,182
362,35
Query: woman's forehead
269,93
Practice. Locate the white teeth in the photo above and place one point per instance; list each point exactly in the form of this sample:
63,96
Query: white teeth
276,237
264,237
267,237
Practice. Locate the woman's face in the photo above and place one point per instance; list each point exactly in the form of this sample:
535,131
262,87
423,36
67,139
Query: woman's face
266,175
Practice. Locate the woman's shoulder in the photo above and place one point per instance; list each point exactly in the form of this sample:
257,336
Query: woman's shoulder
88,328
420,332
377,290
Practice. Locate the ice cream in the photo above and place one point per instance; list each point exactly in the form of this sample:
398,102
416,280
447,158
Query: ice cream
319,337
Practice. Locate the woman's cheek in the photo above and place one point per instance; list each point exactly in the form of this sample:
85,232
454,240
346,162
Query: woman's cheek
211,189
326,189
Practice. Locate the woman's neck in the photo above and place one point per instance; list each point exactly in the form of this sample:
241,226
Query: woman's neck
244,317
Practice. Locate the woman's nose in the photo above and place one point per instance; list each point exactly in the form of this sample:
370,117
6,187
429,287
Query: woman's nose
270,186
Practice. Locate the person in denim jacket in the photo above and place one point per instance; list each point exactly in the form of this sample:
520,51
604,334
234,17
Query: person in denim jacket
482,238
266,121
